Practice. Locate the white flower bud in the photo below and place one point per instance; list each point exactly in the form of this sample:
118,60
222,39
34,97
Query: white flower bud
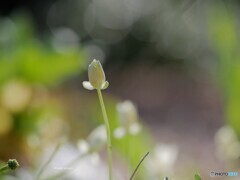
96,77
12,164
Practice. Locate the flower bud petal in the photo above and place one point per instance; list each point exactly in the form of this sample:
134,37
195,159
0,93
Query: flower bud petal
96,74
105,85
87,85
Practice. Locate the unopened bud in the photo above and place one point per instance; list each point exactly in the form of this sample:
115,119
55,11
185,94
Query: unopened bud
96,77
12,164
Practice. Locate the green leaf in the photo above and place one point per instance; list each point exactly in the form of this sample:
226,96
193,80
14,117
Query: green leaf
197,177
23,56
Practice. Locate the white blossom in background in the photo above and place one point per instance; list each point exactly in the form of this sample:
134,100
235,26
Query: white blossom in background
227,144
96,140
83,146
90,147
88,167
162,159
129,119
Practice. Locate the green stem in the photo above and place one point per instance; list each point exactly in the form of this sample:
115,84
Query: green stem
105,117
4,168
128,155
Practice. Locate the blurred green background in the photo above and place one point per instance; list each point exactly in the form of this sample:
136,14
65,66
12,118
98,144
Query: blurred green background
177,61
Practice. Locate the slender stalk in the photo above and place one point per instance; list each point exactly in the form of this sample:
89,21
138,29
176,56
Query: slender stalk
4,168
134,172
127,154
105,117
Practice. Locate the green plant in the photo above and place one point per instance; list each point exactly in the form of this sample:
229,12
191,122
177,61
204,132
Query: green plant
223,27
11,164
98,81
197,177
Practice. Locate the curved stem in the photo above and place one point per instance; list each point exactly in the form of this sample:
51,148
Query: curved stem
105,117
135,170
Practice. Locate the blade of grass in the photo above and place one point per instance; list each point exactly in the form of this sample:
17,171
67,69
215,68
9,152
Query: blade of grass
134,172
197,177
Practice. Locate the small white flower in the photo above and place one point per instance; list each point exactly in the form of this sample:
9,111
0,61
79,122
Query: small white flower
135,128
163,158
119,132
94,142
127,113
225,136
128,117
96,77
227,144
